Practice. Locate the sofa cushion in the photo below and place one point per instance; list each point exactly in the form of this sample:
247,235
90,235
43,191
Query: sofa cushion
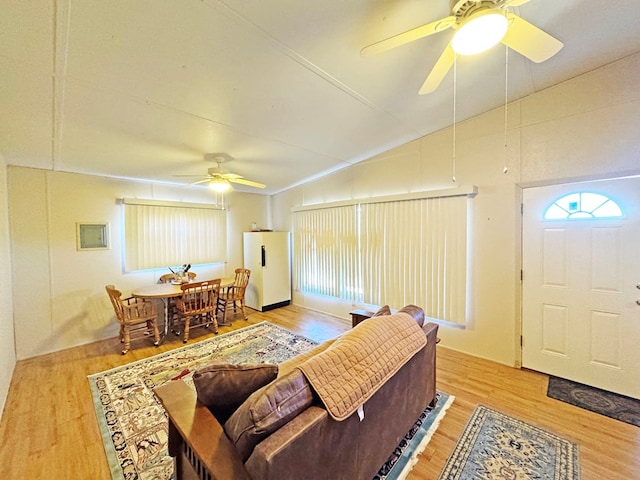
288,365
361,360
384,310
223,387
266,410
416,313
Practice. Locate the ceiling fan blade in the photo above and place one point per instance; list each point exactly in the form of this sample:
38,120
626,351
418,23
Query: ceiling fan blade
249,183
188,176
408,36
440,69
515,3
201,181
530,41
230,176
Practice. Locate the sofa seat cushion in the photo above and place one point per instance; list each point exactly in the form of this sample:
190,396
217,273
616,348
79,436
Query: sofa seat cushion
266,410
360,361
223,387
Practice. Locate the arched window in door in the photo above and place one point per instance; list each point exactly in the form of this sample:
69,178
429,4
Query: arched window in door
582,205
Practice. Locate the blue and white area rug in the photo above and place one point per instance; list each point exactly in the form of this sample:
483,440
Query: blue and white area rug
132,422
134,426
496,446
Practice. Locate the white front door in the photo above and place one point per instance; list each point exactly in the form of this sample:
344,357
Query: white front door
581,281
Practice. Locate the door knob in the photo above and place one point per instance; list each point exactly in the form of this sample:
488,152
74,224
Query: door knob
638,302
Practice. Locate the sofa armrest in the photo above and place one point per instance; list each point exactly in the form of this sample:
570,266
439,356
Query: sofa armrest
430,329
359,315
196,439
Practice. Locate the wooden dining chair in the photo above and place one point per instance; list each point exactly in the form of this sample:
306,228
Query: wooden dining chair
197,306
169,277
233,295
172,310
136,317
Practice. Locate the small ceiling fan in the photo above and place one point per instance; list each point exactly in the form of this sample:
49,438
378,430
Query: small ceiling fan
479,25
217,179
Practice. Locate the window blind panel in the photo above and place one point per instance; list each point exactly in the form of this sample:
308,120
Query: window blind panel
326,252
415,252
160,236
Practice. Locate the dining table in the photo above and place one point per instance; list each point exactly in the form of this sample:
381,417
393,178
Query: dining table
166,291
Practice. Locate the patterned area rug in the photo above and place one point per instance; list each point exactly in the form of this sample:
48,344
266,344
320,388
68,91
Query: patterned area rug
134,427
496,446
405,456
610,404
133,424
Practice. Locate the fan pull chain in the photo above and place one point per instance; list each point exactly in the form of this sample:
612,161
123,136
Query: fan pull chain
505,168
455,82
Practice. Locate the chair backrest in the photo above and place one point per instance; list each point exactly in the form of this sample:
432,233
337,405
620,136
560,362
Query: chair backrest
168,277
242,277
236,291
199,297
116,300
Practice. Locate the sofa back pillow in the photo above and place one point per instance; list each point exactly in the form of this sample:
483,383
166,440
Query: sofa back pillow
266,410
417,313
382,311
223,387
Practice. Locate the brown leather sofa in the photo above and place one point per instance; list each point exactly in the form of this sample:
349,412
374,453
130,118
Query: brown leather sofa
390,394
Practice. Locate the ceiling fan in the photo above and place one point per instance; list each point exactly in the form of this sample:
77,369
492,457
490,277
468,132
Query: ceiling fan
479,25
217,179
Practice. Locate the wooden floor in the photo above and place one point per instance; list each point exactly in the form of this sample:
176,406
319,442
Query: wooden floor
49,429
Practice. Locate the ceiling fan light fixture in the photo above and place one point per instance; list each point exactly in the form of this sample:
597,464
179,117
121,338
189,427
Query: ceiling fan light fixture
479,32
219,185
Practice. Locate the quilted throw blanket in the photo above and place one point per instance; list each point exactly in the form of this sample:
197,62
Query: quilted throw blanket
360,361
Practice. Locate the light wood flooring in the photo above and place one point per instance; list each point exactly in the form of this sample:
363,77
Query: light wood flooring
49,429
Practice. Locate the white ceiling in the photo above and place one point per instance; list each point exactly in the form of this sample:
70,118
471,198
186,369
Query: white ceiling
143,88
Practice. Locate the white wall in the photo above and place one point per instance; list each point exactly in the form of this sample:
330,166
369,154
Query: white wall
7,342
584,128
59,299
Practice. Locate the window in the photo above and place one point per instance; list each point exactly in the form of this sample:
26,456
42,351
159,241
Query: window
416,252
161,234
326,246
582,205
392,251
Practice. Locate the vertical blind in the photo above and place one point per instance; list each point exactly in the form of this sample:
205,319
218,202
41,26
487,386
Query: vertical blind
391,252
160,235
326,246
415,252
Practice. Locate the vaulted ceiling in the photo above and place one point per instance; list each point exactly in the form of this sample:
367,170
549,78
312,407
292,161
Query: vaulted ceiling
144,88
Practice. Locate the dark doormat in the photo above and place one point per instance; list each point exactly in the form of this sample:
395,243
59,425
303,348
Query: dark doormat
613,405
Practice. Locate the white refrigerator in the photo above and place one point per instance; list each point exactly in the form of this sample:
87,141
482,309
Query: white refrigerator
268,256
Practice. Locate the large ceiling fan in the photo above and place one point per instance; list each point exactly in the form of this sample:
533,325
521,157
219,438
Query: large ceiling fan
217,179
479,25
